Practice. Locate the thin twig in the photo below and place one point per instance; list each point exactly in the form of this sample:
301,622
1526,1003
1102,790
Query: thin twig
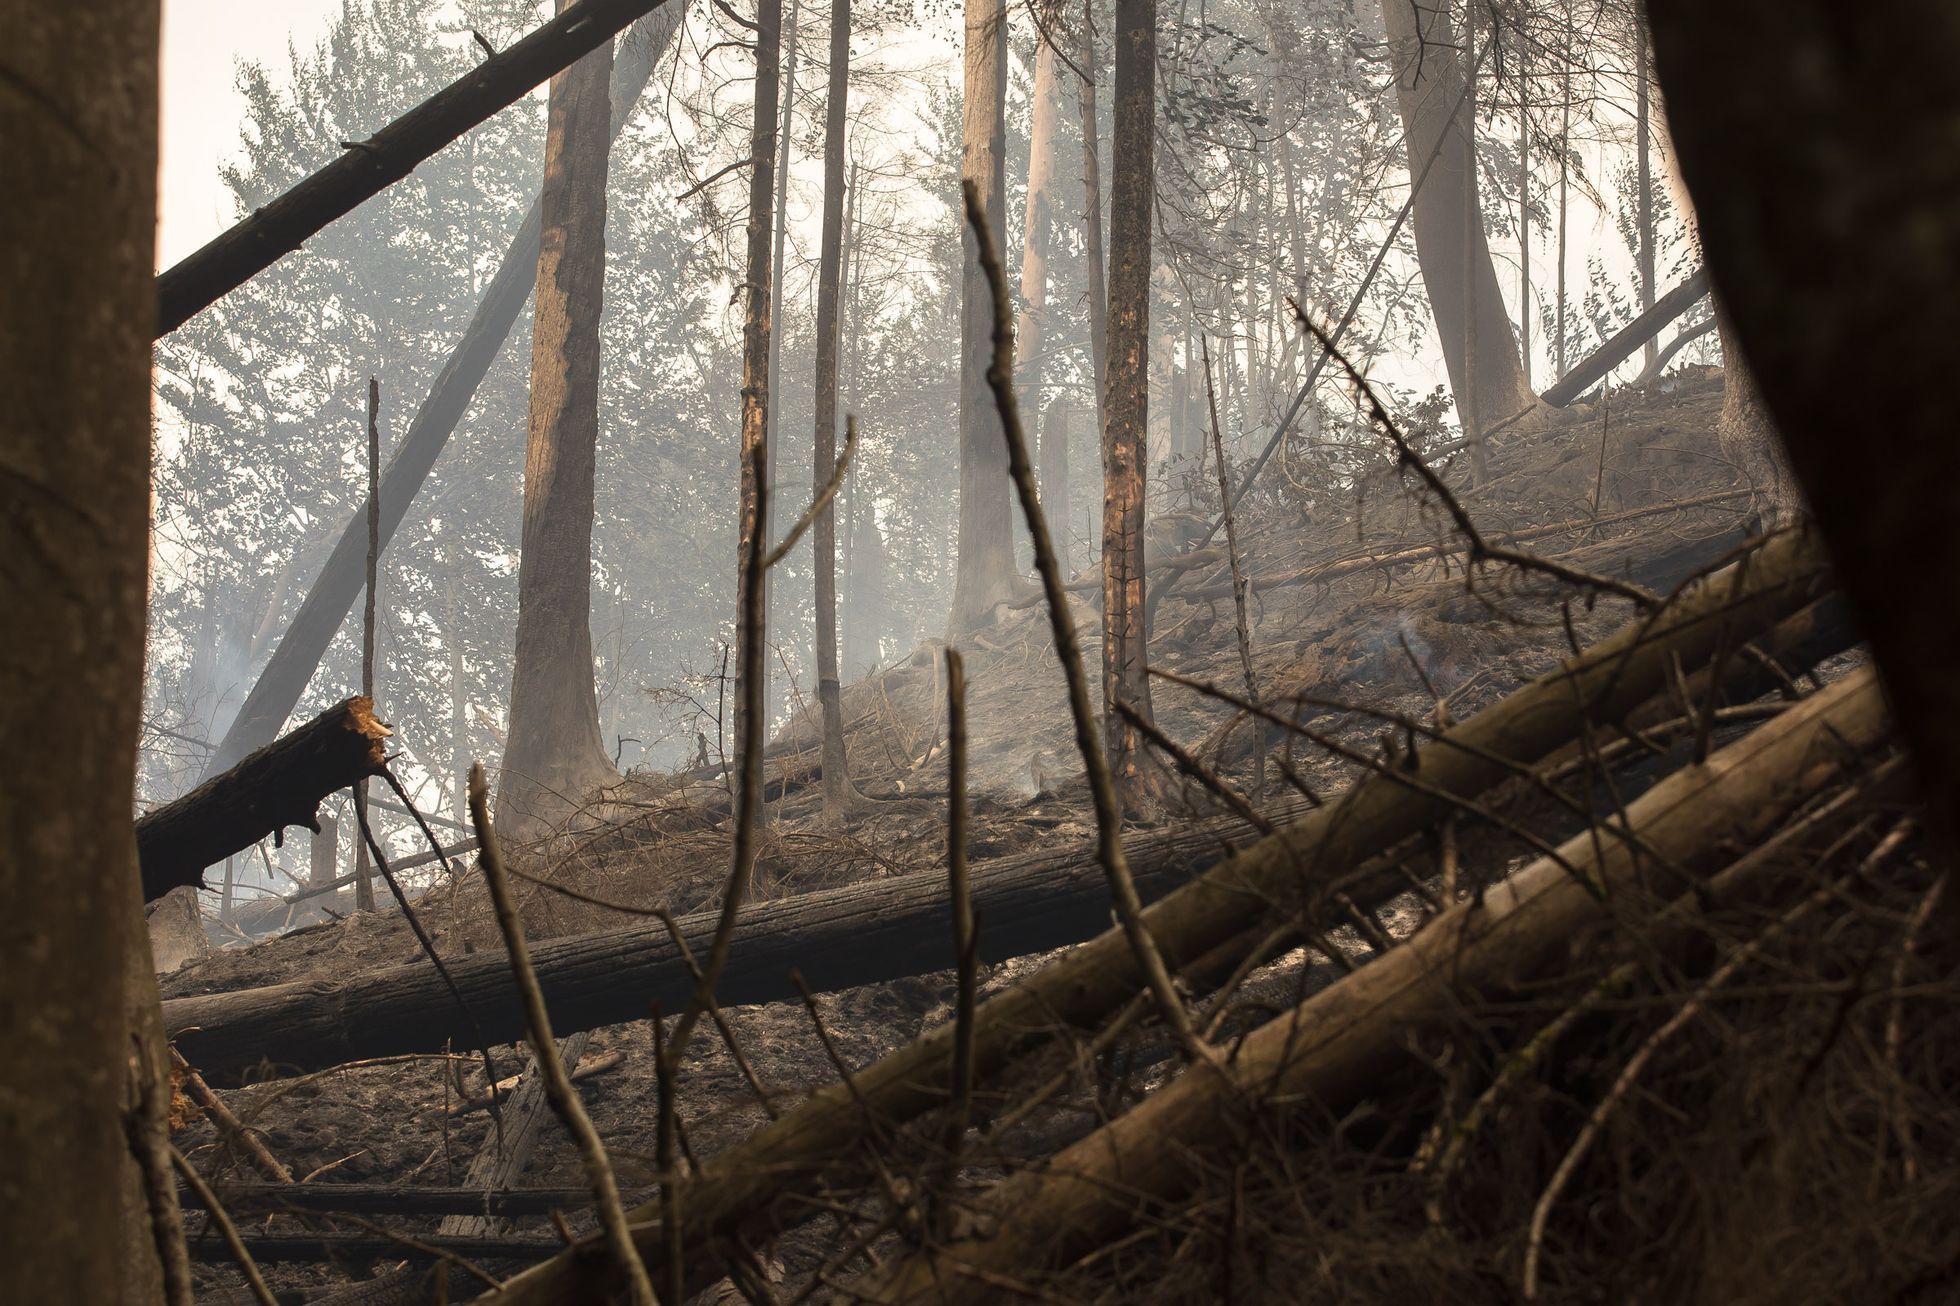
544,1048
762,1095
429,947
1197,770
229,1126
1102,787
824,496
214,1211
965,933
663,1157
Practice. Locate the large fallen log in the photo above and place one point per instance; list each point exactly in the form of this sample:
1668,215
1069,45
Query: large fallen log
368,167
755,1184
1330,1051
841,938
280,785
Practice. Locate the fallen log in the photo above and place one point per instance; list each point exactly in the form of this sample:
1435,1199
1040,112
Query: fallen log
366,168
280,785
841,938
390,1199
1593,369
754,1186
1331,1050
284,1248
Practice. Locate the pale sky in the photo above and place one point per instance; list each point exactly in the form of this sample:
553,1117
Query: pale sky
203,40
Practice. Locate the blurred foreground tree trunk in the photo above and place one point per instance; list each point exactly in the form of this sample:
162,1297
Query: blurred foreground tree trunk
82,1085
1480,348
839,794
985,574
555,759
1817,142
1126,405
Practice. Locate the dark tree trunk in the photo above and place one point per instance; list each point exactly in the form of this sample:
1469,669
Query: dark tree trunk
555,760
839,795
1816,141
1482,356
1126,405
986,574
751,641
78,116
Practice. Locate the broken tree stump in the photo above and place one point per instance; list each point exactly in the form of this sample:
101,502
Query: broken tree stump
278,786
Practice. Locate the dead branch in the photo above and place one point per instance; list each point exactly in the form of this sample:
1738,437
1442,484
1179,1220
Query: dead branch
279,786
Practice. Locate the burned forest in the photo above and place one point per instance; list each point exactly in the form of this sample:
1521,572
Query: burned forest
776,651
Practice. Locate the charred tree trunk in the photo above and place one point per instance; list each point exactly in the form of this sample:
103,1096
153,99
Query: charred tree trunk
1817,146
1126,405
327,603
1481,352
839,794
555,758
757,327
77,1097
986,574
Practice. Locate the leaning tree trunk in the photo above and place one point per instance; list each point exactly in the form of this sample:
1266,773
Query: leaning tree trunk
985,575
839,795
1127,401
320,614
1816,140
79,169
1486,370
555,758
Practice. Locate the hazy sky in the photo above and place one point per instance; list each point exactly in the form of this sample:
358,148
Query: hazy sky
203,40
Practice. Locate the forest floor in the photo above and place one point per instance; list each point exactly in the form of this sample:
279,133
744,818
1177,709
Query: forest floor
1336,614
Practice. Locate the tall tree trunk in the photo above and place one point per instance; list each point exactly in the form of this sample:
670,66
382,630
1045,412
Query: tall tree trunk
986,573
1127,403
1816,140
1481,352
555,759
772,688
1092,217
1051,473
839,794
757,328
326,605
1037,229
79,168
1644,172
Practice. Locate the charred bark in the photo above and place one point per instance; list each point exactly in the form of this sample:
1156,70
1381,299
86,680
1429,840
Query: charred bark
281,785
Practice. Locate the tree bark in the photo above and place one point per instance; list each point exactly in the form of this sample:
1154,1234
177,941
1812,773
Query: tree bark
1331,1050
839,794
327,603
752,1184
281,785
82,1083
1816,142
1485,367
1052,472
1092,219
985,575
1126,406
1038,225
555,759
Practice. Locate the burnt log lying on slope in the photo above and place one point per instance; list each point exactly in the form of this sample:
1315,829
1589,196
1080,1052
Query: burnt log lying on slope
841,938
280,785
888,929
